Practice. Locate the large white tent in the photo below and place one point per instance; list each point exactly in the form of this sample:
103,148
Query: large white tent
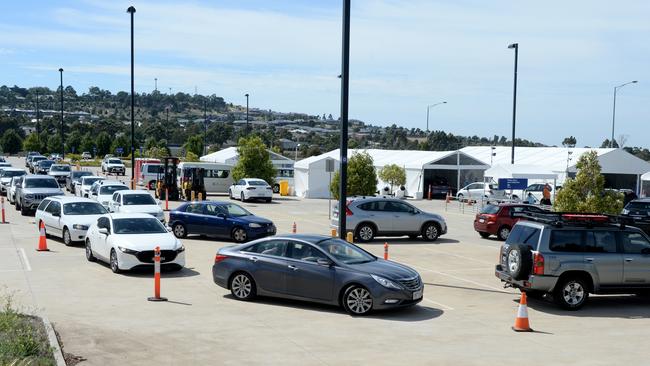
312,181
645,185
520,171
230,156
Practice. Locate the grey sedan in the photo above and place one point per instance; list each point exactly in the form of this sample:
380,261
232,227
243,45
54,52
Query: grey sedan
316,268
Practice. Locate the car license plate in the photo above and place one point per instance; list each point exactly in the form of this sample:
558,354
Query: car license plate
417,295
481,220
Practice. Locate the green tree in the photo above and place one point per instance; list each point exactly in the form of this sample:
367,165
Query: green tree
194,145
121,142
11,142
54,143
362,178
31,143
569,141
586,192
103,143
73,141
87,143
393,174
254,161
190,157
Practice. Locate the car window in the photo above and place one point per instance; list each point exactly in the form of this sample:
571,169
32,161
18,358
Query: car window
194,208
41,183
600,242
154,169
374,206
138,225
271,247
83,208
566,241
241,182
397,207
490,209
42,205
112,189
214,210
54,208
116,197
345,252
305,252
635,243
522,234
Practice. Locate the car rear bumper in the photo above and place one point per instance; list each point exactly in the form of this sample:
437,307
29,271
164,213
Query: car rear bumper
537,283
485,227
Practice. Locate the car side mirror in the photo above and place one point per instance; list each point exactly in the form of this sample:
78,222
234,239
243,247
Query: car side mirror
169,229
103,230
324,262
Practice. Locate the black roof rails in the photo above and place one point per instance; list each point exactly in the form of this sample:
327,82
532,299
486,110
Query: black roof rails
570,218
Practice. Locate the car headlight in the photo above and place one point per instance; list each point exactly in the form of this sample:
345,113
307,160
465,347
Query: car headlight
127,250
79,227
181,247
625,212
254,225
386,283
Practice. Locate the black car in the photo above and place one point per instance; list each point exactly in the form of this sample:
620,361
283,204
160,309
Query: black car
638,213
316,268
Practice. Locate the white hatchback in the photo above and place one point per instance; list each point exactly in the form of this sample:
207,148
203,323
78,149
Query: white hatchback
136,201
126,241
251,188
68,217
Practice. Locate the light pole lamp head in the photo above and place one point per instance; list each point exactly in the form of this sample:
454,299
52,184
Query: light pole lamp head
131,10
60,69
634,81
514,45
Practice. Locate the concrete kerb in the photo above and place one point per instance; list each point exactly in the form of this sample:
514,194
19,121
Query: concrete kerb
57,352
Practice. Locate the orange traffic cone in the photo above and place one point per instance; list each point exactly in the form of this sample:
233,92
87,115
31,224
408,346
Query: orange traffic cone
42,241
448,197
521,322
293,228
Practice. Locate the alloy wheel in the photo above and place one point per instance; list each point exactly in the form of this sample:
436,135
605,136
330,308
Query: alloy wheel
359,301
573,293
67,239
241,286
114,265
431,232
239,235
504,232
366,233
179,231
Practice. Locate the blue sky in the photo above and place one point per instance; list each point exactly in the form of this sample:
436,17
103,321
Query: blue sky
405,55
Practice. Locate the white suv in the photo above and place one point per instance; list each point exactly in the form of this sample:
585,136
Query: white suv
113,165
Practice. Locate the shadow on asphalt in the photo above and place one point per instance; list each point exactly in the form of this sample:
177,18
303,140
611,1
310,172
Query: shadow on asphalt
468,288
148,271
606,306
409,241
410,314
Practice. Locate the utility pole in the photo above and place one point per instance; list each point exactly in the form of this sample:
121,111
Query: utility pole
345,84
514,101
62,125
131,10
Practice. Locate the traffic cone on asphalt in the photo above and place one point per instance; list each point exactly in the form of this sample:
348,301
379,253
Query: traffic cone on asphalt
293,228
42,241
521,321
448,197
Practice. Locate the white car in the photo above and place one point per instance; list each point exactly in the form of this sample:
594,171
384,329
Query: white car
479,191
68,217
5,178
15,182
126,241
83,190
86,155
251,188
102,191
136,201
113,165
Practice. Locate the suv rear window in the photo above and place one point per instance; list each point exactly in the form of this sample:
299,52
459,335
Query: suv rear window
600,242
524,235
566,241
490,209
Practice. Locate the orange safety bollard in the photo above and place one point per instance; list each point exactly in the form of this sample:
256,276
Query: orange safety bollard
294,229
166,199
429,191
200,196
386,251
4,221
42,240
156,277
349,237
333,233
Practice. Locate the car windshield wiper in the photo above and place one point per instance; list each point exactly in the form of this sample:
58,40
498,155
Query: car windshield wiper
361,261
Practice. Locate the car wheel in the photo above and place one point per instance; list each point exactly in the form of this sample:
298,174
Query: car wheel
365,232
23,210
276,188
67,239
503,232
484,235
430,231
268,200
179,230
115,266
242,287
230,194
519,261
89,252
460,198
357,300
243,198
239,235
571,294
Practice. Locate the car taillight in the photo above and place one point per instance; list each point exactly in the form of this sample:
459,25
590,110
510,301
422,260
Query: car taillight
219,257
347,211
538,264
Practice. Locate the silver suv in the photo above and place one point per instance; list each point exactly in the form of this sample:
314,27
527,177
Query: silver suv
368,217
33,189
573,255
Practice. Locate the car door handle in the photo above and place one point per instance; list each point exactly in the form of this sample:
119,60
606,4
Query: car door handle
253,259
629,259
292,267
589,260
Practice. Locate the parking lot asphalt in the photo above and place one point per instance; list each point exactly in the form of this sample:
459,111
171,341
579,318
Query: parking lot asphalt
464,319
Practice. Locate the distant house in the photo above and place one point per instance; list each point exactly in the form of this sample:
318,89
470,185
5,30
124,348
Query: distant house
287,144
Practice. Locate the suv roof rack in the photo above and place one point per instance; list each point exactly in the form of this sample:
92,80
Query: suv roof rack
575,218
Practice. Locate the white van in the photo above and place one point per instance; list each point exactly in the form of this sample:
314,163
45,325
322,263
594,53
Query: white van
216,177
149,174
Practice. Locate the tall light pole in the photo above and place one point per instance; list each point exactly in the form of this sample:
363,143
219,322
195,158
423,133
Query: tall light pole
345,91
295,158
131,10
205,127
38,125
514,46
167,125
62,135
429,107
155,81
247,131
611,142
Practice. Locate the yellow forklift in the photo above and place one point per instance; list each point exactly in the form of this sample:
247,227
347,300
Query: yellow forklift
167,180
193,186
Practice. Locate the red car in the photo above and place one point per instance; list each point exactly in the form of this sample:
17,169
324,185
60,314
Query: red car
496,220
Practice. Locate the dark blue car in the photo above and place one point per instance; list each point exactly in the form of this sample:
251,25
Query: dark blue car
219,219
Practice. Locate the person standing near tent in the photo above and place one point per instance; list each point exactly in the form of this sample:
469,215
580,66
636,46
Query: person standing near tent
546,195
530,199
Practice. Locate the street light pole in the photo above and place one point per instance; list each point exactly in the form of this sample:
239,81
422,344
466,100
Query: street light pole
611,142
295,158
247,127
514,101
205,127
62,125
167,125
428,108
38,125
155,80
345,91
131,10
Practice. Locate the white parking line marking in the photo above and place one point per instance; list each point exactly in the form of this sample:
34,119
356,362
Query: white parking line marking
24,260
443,306
458,256
461,279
